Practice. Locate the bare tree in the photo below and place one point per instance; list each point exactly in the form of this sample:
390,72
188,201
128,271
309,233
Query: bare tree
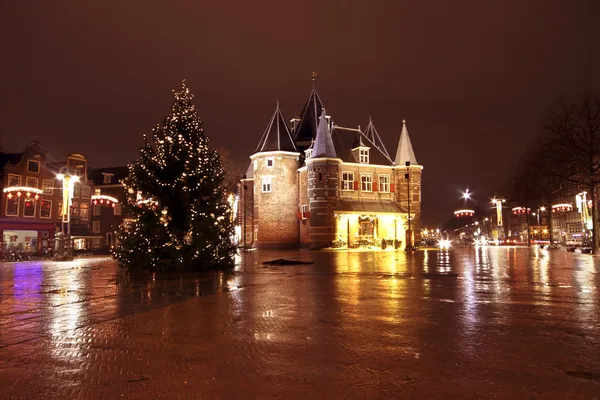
233,170
572,149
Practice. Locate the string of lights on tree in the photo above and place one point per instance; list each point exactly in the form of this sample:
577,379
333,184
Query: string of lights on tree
176,197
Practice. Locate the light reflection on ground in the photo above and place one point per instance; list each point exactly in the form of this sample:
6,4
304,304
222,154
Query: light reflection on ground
476,323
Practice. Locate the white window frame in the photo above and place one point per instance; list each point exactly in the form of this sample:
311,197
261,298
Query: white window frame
107,178
118,210
38,168
37,181
363,155
347,184
95,226
18,176
49,189
384,183
266,184
18,199
270,162
304,211
34,207
366,182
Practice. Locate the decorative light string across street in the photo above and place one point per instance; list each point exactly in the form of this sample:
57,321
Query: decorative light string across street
20,190
100,199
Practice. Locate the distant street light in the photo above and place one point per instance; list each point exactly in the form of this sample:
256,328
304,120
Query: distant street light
466,195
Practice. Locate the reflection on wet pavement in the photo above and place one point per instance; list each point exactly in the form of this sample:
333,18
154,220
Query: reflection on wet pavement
468,323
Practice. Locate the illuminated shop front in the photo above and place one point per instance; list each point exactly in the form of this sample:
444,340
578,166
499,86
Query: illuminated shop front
369,223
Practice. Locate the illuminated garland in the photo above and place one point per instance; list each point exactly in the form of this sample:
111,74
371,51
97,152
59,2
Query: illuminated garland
19,190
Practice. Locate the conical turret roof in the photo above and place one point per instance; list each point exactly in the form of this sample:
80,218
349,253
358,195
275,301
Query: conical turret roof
405,150
323,146
277,136
309,119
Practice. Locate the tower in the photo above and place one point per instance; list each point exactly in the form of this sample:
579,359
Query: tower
408,183
323,177
275,177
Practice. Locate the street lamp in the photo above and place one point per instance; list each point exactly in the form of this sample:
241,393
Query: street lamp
466,195
498,204
68,183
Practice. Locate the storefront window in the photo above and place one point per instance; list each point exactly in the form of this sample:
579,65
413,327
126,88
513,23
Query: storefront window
19,241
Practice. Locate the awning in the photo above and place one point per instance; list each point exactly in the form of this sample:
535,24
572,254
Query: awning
369,207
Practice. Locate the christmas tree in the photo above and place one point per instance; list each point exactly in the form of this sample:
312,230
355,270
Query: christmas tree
176,196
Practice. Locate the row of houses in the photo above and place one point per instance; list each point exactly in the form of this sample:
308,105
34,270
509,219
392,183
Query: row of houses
36,195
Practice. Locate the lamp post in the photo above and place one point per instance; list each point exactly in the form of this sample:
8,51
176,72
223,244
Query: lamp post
68,182
409,246
498,204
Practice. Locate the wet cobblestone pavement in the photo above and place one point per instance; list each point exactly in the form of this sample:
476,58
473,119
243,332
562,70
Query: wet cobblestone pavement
493,323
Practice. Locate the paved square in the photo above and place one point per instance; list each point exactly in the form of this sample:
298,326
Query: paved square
492,323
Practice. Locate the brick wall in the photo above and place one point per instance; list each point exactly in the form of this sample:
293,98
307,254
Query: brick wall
275,211
401,186
323,191
246,212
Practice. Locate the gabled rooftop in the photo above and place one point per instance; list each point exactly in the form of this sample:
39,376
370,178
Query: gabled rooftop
277,136
323,146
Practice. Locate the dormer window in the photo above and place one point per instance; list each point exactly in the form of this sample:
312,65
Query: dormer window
270,162
363,155
308,153
107,178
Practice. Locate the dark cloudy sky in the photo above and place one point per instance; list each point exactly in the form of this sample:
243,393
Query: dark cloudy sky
473,78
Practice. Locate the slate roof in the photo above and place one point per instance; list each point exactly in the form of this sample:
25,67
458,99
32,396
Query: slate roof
277,136
323,145
405,150
96,174
346,139
309,119
10,158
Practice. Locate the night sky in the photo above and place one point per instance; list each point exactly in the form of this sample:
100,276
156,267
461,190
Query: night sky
473,81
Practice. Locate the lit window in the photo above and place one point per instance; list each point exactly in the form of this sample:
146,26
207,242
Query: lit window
118,209
347,180
31,182
33,166
75,209
305,213
270,162
12,206
83,211
29,208
266,184
107,178
45,209
366,181
384,183
97,210
96,227
14,180
47,186
364,156
97,192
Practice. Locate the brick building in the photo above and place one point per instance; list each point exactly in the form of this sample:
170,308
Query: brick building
107,205
316,184
31,206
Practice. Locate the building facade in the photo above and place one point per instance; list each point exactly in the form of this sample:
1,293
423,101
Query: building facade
36,197
108,199
316,184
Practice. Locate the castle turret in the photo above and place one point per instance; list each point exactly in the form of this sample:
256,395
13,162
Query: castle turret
408,184
323,180
275,178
